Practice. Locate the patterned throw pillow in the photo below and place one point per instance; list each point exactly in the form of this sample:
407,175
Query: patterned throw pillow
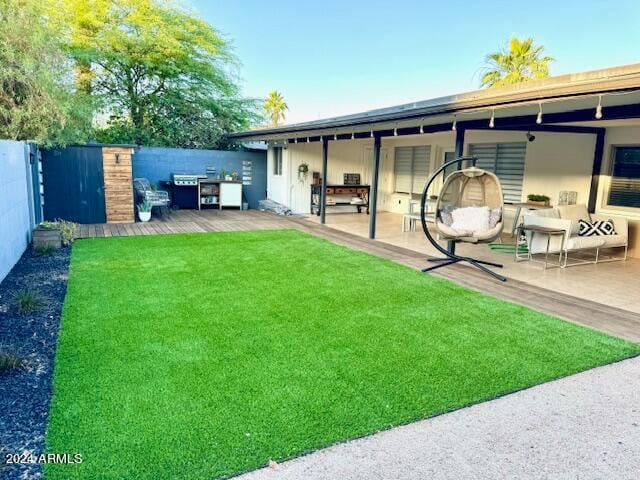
599,227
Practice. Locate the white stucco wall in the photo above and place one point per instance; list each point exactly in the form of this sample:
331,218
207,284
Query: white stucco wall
554,162
15,198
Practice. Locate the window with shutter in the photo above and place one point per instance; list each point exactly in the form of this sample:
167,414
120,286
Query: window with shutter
506,160
411,168
624,190
277,160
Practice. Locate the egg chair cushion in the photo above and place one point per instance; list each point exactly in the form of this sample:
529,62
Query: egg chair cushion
471,218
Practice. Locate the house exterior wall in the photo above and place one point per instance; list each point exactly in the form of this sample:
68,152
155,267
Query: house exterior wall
554,162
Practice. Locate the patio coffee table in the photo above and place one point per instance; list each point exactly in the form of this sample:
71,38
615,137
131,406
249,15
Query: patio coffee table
536,230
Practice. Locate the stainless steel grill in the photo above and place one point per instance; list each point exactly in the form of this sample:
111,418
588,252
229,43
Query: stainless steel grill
186,179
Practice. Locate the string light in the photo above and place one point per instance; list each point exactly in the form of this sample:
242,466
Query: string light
539,117
599,108
492,120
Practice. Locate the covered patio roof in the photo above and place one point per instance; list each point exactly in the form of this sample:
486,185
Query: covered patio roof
561,99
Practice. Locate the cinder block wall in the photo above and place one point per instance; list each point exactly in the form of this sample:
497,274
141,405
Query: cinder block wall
16,220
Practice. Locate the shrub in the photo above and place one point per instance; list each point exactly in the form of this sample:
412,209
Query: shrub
67,231
8,361
45,250
28,301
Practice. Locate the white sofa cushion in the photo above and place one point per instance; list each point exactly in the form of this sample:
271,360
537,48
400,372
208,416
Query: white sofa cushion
580,243
574,213
471,218
616,240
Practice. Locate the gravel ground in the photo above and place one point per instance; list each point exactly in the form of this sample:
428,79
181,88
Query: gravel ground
586,426
25,392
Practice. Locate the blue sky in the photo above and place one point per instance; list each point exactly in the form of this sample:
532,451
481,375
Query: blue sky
329,57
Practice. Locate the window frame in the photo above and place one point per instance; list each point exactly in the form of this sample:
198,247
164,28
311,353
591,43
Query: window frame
605,186
413,175
277,161
496,168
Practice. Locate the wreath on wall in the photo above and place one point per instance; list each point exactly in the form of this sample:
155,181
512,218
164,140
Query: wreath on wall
303,171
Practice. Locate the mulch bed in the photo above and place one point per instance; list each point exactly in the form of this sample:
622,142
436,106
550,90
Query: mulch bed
25,391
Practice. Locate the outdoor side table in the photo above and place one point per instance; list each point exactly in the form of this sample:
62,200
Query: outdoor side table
536,230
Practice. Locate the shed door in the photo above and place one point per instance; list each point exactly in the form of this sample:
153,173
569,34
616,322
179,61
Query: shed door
73,184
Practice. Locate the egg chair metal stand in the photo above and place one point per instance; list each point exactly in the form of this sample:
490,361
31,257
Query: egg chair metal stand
450,257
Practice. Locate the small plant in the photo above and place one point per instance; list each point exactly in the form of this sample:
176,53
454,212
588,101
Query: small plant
27,301
235,176
532,197
45,250
49,225
8,360
67,230
145,206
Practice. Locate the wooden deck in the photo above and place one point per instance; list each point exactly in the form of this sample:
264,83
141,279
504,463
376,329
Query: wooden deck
616,321
188,221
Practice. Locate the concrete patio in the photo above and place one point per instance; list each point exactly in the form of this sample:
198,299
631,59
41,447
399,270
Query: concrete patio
613,283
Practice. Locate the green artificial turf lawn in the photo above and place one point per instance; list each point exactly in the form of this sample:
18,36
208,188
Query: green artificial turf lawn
205,355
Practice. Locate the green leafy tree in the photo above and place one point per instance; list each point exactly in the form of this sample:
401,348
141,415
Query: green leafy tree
520,62
163,75
37,97
275,106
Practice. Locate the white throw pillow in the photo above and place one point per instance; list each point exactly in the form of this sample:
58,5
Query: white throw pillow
471,218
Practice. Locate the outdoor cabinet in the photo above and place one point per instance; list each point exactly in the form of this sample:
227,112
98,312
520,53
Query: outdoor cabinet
231,194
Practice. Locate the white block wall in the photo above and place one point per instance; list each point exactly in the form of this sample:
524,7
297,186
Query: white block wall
15,199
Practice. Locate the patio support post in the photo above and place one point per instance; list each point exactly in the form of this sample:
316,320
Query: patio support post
374,190
451,245
597,166
323,191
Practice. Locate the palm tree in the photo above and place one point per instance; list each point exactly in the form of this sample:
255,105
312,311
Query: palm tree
521,62
275,107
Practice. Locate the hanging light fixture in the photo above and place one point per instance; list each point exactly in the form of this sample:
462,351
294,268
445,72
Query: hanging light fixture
599,108
371,134
454,125
492,120
307,139
295,140
335,136
539,117
395,130
321,138
421,126
353,135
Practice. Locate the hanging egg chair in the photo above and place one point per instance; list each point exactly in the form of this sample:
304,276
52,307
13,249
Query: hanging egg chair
469,209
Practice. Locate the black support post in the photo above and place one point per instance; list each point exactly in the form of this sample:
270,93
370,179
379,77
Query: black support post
323,191
451,245
374,187
597,167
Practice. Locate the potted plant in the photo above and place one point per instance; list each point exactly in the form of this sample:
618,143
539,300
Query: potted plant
235,176
54,234
144,211
303,171
541,200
